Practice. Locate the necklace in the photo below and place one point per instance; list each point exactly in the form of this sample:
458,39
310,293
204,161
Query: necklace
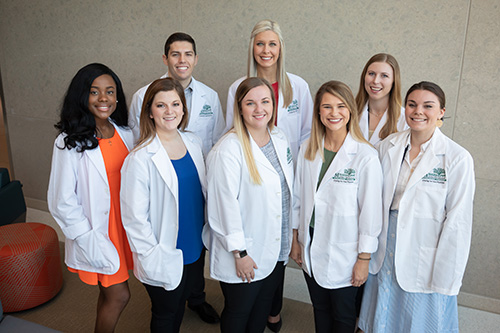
375,114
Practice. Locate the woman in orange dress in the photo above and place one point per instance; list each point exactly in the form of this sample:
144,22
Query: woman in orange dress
84,188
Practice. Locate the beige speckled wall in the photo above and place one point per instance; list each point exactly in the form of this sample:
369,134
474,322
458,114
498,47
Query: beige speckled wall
453,42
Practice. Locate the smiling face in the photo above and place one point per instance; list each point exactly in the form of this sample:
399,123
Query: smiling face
166,111
181,61
378,80
257,108
102,98
334,114
422,110
266,49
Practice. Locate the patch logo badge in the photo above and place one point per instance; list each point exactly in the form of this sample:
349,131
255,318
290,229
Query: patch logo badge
206,111
348,176
437,176
289,157
293,107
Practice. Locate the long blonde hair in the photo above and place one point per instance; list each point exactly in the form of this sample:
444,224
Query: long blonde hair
394,108
147,124
342,92
240,127
283,81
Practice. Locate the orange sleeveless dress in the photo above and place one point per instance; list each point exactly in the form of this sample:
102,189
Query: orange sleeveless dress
113,152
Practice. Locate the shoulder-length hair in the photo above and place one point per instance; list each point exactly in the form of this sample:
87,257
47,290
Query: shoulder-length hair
76,121
284,84
394,108
318,130
147,124
240,127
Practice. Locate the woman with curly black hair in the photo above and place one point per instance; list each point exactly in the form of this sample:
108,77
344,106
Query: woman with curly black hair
84,187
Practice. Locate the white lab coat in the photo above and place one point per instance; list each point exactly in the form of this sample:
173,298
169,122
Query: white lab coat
241,214
295,120
348,211
79,200
150,210
375,139
435,214
205,117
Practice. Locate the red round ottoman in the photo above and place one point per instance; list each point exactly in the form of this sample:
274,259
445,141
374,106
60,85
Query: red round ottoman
30,265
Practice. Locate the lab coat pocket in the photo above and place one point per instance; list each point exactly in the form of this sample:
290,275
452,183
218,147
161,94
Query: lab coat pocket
96,250
426,258
431,200
343,198
157,266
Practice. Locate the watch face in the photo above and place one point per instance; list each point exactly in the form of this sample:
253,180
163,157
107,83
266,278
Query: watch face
243,254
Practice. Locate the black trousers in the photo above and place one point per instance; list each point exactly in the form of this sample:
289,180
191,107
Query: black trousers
167,307
247,305
278,298
197,295
334,309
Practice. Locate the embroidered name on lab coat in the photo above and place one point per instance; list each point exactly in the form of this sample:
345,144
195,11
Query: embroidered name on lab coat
348,176
437,176
206,111
293,107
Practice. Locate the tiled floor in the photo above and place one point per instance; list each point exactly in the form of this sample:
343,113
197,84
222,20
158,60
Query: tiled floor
471,320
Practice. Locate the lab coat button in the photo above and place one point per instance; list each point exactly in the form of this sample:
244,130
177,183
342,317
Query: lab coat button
106,213
278,216
278,193
277,239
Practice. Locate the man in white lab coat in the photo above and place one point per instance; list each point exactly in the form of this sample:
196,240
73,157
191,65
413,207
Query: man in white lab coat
205,120
205,113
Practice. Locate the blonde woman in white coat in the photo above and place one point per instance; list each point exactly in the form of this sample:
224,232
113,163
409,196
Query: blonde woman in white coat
250,175
425,240
84,187
163,182
266,59
337,208
379,99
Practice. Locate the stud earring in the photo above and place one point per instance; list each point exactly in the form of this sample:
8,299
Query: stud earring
439,123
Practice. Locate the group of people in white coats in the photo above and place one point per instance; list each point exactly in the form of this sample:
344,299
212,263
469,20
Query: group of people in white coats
323,183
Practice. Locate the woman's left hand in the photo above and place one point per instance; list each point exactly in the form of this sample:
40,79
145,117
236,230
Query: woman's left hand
360,272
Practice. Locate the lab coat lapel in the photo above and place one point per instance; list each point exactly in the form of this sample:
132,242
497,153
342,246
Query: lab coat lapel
259,156
285,157
428,161
395,154
197,157
164,166
197,103
95,157
342,158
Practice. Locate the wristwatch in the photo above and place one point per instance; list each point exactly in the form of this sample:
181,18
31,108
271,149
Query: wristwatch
240,254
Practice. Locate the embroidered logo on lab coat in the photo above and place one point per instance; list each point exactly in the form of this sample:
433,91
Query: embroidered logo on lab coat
289,157
206,111
438,176
348,176
293,107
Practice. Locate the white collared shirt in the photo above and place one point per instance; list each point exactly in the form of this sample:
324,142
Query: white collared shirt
406,171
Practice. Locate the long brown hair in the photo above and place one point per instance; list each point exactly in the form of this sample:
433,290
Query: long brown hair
394,107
